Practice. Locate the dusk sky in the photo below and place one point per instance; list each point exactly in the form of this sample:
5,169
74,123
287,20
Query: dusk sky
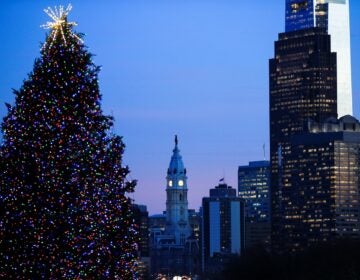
195,68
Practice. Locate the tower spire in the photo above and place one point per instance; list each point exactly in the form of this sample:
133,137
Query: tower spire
176,140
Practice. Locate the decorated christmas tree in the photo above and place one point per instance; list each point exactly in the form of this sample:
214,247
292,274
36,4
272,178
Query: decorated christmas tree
64,210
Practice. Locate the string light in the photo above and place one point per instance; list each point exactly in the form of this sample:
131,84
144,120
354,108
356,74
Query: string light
65,210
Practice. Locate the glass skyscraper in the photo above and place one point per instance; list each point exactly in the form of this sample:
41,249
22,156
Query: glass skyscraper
254,189
300,14
314,155
322,199
333,15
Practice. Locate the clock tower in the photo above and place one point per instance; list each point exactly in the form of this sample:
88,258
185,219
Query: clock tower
177,220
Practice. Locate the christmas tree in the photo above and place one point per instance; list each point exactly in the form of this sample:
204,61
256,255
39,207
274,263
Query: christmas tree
64,210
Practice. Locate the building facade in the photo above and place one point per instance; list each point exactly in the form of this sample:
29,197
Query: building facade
195,224
254,189
300,14
302,86
223,226
325,187
333,15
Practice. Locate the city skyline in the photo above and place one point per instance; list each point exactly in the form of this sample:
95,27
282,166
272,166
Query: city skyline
192,77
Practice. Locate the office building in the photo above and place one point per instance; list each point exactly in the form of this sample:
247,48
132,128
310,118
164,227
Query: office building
223,230
333,15
302,87
322,197
254,189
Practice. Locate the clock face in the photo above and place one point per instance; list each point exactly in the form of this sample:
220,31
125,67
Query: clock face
181,183
170,183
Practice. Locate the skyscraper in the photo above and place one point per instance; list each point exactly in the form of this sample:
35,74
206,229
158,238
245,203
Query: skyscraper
314,155
223,228
254,189
302,86
333,15
324,189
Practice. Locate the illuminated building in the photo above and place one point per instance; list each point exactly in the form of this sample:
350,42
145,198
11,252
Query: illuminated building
302,86
253,187
322,197
310,79
223,232
174,247
333,15
300,14
195,222
177,216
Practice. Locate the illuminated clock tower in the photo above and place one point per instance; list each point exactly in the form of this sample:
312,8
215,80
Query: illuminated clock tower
177,220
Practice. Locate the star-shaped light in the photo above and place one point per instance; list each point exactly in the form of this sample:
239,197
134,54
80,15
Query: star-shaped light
58,15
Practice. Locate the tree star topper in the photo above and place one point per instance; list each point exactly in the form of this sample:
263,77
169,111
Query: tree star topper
59,15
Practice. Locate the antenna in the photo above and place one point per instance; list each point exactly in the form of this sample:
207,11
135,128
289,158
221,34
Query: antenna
264,151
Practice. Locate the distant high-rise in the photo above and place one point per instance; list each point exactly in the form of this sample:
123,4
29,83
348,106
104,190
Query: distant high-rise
302,86
254,189
223,228
333,15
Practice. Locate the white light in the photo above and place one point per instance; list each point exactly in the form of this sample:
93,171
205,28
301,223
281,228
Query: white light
58,15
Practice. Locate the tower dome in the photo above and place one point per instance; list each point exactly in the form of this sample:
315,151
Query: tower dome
176,166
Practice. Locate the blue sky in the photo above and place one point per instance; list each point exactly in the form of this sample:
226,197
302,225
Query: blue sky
196,68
